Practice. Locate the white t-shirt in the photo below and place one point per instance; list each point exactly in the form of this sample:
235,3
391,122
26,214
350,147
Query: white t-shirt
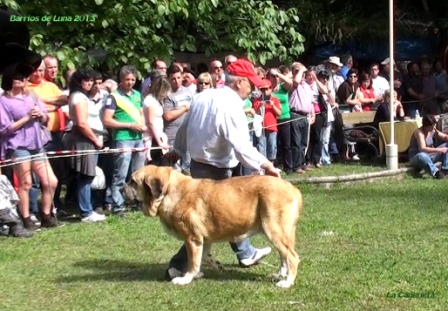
93,110
380,85
150,101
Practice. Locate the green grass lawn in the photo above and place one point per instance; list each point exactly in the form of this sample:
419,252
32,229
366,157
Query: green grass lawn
357,242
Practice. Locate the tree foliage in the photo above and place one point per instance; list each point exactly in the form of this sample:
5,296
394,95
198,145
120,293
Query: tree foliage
139,31
339,20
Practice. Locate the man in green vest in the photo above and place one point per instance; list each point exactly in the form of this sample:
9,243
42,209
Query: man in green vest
123,114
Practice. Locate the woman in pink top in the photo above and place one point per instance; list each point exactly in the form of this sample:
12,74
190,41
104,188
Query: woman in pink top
23,120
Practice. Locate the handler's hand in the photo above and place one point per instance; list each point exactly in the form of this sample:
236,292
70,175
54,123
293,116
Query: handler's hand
269,169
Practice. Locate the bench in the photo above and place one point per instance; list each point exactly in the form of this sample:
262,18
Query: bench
357,122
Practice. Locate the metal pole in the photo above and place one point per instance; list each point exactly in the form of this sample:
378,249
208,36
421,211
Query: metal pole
391,148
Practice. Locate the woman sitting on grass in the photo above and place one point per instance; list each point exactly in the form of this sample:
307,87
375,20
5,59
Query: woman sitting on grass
423,154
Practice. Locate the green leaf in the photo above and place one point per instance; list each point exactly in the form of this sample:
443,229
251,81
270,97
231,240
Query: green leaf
161,9
98,2
105,23
70,65
215,3
60,55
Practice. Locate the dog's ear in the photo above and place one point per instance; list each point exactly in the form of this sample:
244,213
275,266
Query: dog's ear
155,186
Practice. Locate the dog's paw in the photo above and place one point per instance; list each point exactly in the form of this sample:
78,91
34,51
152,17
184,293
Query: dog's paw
181,280
284,284
278,277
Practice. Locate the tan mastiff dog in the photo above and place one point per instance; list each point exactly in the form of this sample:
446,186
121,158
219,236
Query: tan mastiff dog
204,211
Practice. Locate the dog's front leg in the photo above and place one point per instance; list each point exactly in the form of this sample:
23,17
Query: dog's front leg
194,251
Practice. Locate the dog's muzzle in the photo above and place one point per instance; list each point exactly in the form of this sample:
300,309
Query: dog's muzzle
130,195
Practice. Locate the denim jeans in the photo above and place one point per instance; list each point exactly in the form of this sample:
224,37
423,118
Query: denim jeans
84,195
325,136
426,161
122,162
242,249
268,143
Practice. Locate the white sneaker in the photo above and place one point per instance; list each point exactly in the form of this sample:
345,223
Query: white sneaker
258,255
34,219
94,217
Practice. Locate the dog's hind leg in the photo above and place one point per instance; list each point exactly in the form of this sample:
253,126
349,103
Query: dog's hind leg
283,240
208,258
194,251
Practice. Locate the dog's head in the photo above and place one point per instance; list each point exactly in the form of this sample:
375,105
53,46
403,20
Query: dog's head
148,186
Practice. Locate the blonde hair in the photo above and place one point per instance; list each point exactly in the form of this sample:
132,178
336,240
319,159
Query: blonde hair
388,95
206,77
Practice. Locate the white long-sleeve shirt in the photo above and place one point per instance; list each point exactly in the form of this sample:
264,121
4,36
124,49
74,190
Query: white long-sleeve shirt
215,131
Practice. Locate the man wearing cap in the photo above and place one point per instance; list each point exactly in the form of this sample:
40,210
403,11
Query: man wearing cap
332,65
215,133
398,77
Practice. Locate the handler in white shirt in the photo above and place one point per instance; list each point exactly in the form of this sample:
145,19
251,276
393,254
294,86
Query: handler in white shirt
215,133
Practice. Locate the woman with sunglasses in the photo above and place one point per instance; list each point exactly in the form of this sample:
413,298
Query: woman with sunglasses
348,90
23,120
204,82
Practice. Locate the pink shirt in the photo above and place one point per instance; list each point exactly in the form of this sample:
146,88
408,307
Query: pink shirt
301,98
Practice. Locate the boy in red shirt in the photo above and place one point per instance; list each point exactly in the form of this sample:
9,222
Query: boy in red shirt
269,108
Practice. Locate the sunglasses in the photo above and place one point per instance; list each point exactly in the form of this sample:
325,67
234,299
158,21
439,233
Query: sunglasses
353,76
218,67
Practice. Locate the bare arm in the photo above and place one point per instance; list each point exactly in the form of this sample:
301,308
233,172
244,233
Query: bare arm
81,115
174,114
363,100
110,122
151,113
422,143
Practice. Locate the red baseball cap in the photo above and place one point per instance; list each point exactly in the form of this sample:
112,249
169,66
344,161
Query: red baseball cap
244,68
266,84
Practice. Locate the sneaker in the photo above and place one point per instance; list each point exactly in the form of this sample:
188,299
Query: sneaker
35,220
439,175
28,224
48,221
356,158
94,217
172,273
19,231
258,255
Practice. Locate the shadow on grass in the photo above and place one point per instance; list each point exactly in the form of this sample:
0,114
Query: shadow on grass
127,271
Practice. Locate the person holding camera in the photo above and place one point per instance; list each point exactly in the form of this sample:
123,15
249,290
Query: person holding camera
269,108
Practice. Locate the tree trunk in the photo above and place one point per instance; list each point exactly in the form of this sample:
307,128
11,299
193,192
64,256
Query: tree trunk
427,12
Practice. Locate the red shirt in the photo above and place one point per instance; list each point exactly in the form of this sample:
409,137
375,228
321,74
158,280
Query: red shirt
270,119
368,93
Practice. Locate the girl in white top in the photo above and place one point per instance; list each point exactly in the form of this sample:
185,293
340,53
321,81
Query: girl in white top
154,96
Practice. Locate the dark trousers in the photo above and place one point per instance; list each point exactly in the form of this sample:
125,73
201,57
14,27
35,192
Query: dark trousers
314,151
284,137
299,140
